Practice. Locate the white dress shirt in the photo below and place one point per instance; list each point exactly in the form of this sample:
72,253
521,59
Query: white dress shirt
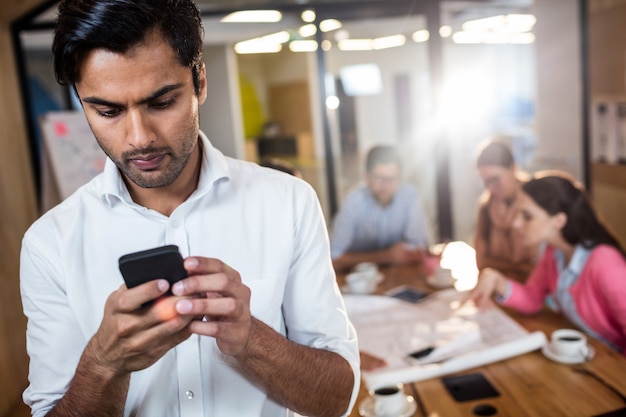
265,224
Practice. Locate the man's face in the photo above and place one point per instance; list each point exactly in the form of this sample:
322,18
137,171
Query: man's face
383,181
143,110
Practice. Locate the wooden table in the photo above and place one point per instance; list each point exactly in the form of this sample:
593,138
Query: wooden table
530,385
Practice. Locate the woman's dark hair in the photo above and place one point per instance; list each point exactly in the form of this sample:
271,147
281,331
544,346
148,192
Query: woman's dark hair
381,154
558,192
495,153
119,25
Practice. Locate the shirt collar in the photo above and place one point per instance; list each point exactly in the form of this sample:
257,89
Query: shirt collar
214,168
577,263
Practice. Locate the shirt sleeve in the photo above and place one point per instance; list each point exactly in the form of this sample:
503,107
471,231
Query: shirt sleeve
51,324
417,232
609,270
529,297
313,308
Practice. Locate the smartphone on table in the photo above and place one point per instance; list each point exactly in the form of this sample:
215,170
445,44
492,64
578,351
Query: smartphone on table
164,262
406,293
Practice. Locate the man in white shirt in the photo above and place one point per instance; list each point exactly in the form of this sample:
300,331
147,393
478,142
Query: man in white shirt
259,327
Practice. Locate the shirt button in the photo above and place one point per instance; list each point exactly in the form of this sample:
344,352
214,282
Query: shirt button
189,395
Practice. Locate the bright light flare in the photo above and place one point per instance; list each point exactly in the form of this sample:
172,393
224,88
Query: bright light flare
253,16
467,95
332,102
460,258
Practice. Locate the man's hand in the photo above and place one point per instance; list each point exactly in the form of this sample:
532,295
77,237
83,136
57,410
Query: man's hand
132,337
294,375
220,298
401,253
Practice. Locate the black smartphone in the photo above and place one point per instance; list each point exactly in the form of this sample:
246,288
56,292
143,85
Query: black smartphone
469,387
406,293
422,353
164,262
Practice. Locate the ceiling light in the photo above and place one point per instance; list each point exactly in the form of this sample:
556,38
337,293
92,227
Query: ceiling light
307,30
483,25
330,24
308,16
303,46
278,37
511,23
520,22
389,42
464,37
421,36
256,46
445,31
326,45
249,16
265,44
355,45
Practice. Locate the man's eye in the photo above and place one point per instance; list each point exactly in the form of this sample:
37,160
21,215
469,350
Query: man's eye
162,104
108,113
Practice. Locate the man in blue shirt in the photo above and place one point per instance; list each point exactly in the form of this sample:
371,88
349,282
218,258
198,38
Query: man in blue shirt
382,219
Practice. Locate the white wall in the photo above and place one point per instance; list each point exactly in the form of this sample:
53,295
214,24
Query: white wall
559,87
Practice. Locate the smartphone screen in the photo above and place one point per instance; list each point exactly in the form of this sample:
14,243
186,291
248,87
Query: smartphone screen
164,262
412,295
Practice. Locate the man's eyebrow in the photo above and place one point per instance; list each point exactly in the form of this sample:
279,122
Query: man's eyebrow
158,93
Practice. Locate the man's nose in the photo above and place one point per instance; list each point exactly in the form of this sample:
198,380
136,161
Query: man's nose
140,133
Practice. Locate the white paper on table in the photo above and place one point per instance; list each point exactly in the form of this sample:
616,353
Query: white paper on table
463,336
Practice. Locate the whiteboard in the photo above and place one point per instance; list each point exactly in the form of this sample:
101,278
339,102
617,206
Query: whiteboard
71,151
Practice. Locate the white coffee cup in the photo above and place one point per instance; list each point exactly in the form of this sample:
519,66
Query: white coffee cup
569,343
368,267
361,282
389,400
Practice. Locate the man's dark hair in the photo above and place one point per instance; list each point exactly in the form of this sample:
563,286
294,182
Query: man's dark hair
118,26
381,154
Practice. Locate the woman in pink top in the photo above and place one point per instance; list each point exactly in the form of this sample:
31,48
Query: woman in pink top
583,267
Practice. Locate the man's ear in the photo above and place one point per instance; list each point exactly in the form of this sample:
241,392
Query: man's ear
202,92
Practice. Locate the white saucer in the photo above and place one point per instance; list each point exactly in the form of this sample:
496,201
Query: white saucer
435,283
550,354
366,408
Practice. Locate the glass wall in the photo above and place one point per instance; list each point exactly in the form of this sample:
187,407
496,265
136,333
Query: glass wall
434,83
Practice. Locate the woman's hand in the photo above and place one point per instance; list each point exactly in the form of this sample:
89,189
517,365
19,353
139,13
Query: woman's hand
490,281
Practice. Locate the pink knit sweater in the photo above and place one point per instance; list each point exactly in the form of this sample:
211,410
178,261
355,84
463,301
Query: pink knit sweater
599,293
